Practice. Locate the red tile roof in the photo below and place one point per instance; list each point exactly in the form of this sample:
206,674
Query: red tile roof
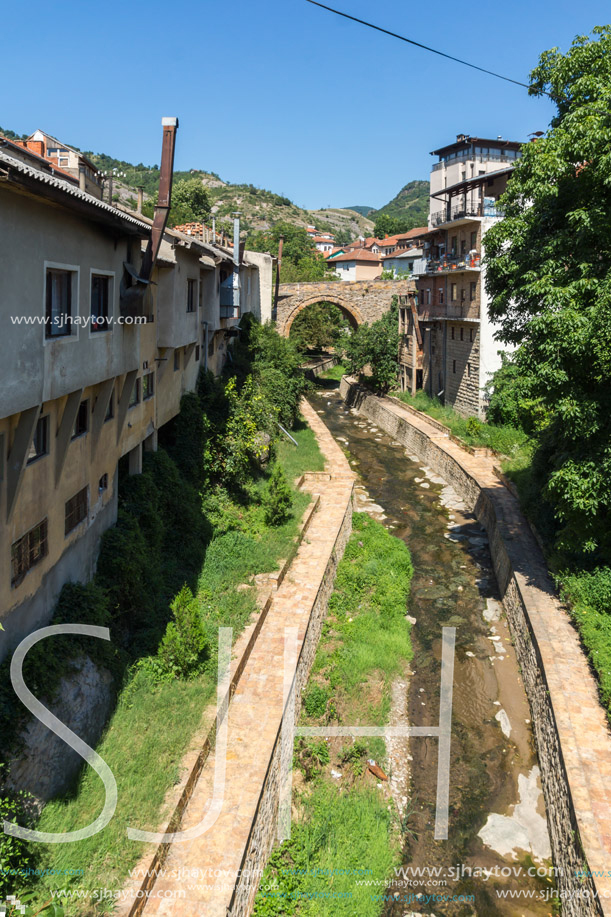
359,254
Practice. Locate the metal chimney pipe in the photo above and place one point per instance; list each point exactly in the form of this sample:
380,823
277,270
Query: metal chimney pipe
164,201
81,179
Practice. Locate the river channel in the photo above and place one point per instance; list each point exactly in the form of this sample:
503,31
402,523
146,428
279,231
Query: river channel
497,833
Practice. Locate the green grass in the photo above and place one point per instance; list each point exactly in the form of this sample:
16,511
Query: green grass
153,722
348,824
335,373
513,445
589,598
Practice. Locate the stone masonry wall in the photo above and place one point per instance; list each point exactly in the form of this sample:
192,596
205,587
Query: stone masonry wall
578,828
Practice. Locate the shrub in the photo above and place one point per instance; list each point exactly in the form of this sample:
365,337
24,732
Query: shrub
184,644
278,499
473,427
315,701
15,853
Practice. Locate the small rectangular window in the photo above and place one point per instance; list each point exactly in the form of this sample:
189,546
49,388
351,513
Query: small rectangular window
76,510
81,424
40,440
472,291
453,290
473,240
27,551
58,303
103,484
197,353
461,333
100,302
440,296
191,295
148,386
452,332
176,360
469,370
453,366
471,334
134,398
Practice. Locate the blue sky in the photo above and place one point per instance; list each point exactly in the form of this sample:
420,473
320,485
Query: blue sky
279,92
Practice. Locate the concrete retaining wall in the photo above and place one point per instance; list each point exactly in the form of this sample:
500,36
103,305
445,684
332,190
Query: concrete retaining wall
570,728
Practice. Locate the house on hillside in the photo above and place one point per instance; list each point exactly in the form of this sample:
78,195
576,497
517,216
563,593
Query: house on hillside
448,338
67,159
401,261
357,264
324,242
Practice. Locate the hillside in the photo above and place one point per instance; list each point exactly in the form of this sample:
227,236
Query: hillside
411,203
362,209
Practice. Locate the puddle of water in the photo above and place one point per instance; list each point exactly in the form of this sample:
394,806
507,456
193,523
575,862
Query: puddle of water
496,819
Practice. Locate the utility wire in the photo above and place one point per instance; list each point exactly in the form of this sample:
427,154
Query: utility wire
410,41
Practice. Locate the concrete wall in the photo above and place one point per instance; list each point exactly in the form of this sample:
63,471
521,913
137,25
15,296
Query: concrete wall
517,559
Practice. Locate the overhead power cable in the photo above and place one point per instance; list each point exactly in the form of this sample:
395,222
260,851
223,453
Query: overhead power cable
410,41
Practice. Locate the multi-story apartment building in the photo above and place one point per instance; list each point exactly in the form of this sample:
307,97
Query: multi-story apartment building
448,343
91,373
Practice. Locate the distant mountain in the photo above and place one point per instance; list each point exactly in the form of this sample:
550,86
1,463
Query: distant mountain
410,204
364,211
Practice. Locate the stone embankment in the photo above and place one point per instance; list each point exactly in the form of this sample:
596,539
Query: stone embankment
217,874
570,727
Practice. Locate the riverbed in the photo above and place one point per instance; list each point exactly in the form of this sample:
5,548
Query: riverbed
497,833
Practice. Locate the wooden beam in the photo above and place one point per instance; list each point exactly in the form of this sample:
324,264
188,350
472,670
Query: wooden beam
64,431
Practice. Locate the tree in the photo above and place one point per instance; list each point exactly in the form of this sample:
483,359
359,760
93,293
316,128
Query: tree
190,203
375,346
318,326
343,237
549,279
301,262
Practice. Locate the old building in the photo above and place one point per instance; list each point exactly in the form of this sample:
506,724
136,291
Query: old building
449,346
91,373
67,159
357,264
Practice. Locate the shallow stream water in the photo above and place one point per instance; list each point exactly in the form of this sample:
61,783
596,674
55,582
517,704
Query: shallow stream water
497,836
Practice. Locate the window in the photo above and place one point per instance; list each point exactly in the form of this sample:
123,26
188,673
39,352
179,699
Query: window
81,424
100,302
58,303
453,366
148,386
76,510
110,411
471,334
428,297
440,295
453,290
469,369
103,484
452,332
463,246
473,240
176,360
454,244
28,551
472,290
197,353
134,398
40,440
461,333
463,294
191,295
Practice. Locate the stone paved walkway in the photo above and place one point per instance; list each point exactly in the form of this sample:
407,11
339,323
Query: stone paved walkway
255,712
581,722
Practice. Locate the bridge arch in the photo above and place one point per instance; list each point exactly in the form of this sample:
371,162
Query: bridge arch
352,312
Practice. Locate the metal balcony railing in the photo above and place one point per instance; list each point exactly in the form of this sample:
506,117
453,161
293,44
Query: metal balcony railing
477,157
468,262
464,212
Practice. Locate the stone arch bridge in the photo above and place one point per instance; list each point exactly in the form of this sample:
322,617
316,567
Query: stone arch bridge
360,300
